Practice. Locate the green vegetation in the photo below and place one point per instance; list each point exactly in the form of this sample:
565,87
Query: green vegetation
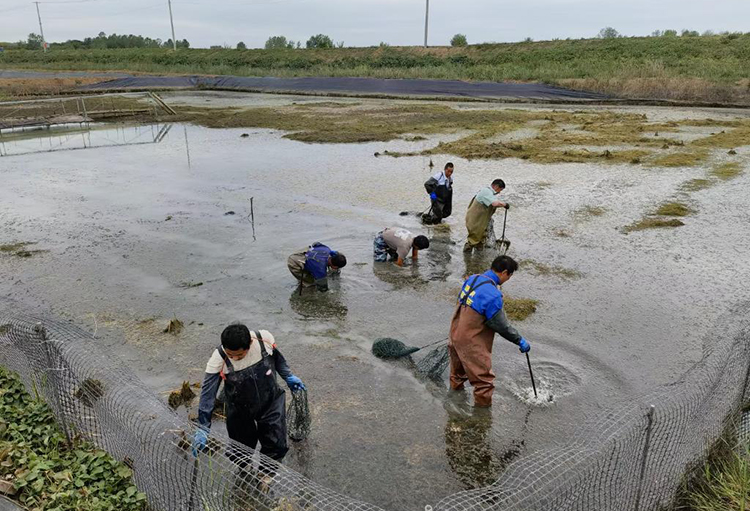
587,212
696,185
277,42
653,223
710,68
19,249
727,171
519,309
546,270
680,159
674,209
459,40
723,483
46,472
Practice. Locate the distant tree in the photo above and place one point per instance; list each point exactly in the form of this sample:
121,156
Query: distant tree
340,44
241,46
708,33
167,43
528,40
689,33
669,33
34,42
608,33
459,40
383,44
319,41
183,44
278,41
215,47
656,33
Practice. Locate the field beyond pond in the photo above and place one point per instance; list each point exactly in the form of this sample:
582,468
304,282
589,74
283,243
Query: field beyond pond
700,69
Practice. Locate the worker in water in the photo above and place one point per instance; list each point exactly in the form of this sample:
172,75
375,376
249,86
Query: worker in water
395,242
247,363
313,265
478,317
440,189
479,215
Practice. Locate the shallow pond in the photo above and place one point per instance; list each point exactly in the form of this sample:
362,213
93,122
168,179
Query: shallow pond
130,220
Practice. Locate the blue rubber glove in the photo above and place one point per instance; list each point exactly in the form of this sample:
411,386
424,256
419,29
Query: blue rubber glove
524,345
294,383
199,441
433,196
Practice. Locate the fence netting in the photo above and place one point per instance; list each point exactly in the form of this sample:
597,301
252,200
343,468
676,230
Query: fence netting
634,456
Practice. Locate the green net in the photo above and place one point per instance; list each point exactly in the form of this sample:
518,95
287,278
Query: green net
298,417
386,347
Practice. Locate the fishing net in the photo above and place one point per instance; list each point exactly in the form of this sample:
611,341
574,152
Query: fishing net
435,363
386,347
298,417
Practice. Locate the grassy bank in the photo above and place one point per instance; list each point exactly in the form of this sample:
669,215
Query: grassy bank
709,68
48,474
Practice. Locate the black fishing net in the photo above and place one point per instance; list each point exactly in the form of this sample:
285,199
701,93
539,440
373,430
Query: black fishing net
298,416
386,347
435,363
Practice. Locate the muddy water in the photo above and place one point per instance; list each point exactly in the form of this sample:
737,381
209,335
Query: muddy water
131,229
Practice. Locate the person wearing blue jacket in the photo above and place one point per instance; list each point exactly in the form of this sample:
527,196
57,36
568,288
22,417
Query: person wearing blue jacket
247,363
311,266
478,317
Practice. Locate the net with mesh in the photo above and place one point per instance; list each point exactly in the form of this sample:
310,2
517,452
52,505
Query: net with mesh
633,456
298,421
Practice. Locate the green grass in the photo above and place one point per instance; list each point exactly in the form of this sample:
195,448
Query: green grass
519,309
674,209
723,483
696,68
47,472
653,223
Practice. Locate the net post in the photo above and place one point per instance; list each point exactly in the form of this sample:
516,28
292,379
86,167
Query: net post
54,381
644,457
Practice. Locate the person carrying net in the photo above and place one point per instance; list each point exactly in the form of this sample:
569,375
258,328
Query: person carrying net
478,317
256,405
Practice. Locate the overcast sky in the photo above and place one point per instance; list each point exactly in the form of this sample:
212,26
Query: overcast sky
366,22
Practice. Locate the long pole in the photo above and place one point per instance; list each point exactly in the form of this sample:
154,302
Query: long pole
426,21
533,383
171,21
41,30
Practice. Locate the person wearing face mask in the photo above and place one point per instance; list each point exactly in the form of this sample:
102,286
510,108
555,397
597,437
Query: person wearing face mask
247,363
479,214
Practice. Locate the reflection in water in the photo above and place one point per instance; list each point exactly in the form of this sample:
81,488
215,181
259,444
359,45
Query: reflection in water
468,447
77,137
468,443
311,303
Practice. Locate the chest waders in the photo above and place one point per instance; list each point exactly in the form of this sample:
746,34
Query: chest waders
256,406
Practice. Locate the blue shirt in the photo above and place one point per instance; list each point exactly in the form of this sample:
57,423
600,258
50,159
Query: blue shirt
316,260
486,299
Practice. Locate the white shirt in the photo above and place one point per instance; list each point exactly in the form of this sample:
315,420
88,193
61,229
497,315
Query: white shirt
216,363
442,180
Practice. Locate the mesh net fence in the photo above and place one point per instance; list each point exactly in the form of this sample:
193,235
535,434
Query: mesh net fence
634,455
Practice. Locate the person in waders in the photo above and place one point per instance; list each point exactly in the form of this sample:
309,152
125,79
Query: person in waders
312,266
478,317
440,189
247,363
479,214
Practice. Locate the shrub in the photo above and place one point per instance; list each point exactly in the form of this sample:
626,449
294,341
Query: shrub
459,40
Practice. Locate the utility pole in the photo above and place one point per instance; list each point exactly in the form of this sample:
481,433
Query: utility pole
426,21
171,21
41,30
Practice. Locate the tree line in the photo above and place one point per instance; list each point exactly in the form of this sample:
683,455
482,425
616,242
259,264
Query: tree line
101,41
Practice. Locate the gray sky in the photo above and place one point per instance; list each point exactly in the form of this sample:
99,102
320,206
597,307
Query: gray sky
367,22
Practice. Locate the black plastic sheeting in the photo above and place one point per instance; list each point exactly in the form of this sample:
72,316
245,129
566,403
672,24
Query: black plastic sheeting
375,86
